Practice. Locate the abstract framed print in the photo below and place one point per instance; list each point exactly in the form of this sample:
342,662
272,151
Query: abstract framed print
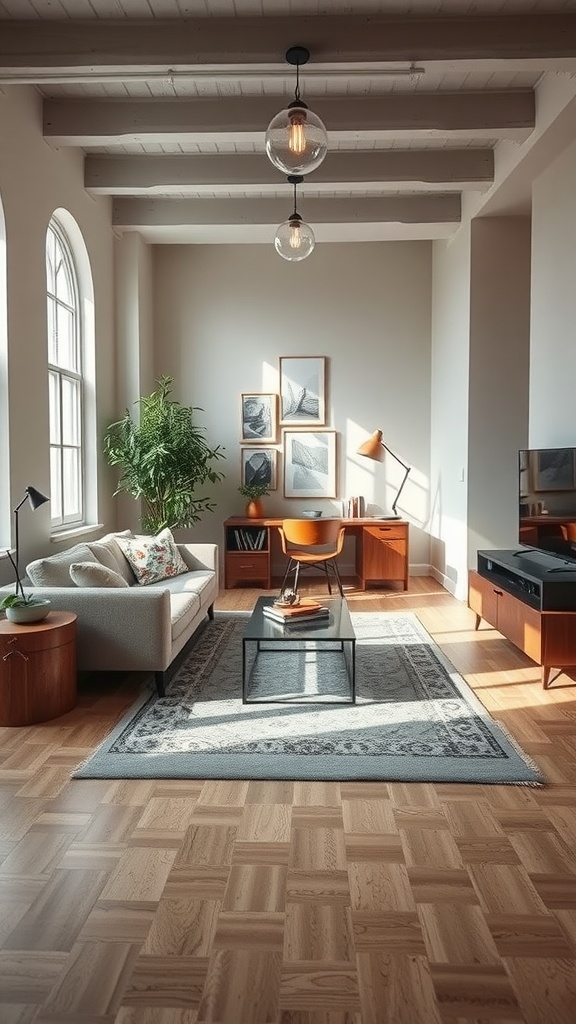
302,390
309,463
554,469
259,467
259,413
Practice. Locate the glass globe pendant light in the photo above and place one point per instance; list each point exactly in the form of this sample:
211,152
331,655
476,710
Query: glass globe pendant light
294,239
296,139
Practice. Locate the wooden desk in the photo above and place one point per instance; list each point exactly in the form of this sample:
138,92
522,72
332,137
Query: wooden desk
381,550
37,669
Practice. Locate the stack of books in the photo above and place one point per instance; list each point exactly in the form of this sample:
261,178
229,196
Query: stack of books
308,610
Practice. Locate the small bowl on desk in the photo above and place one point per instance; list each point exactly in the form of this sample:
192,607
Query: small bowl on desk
311,513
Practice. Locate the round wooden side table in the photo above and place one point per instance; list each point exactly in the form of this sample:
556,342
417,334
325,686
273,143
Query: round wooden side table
37,669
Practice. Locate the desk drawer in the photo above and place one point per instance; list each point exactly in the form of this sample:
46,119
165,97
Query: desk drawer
246,565
387,531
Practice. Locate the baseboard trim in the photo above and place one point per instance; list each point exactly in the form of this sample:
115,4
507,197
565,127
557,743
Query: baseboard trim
442,579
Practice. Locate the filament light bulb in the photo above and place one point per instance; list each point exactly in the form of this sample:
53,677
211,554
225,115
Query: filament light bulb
297,133
295,234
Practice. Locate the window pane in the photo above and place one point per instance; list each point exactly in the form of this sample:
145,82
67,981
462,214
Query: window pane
66,342
50,260
55,485
71,471
52,340
70,411
64,290
54,403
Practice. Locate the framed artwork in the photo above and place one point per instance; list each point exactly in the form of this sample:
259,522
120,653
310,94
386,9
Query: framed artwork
259,417
259,466
309,463
554,469
302,390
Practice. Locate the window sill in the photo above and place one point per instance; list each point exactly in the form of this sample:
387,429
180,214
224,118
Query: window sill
76,531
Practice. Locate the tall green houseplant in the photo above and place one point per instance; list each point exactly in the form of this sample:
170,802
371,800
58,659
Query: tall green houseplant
163,459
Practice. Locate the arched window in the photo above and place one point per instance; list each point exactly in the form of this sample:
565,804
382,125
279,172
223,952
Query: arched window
65,381
4,432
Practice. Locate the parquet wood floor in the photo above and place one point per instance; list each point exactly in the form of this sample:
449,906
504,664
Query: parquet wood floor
238,902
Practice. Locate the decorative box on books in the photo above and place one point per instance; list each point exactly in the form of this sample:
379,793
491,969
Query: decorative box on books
307,610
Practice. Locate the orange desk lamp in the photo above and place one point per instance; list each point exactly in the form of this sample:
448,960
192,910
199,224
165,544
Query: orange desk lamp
374,448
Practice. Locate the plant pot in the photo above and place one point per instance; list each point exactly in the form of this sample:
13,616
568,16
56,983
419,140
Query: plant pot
255,509
29,612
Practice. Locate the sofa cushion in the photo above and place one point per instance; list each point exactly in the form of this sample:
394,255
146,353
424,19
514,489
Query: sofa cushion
183,608
54,570
109,552
91,574
153,558
195,581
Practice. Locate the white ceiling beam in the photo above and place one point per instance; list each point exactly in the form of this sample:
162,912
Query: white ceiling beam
105,122
69,44
414,169
275,79
242,234
133,214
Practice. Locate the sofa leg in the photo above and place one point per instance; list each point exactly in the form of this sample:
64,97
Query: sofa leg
211,613
160,679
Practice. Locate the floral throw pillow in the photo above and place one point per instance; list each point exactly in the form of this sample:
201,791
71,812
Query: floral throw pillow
153,558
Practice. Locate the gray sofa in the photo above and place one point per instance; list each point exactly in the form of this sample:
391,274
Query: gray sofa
132,628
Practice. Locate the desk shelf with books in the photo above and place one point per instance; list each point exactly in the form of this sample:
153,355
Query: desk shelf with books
247,552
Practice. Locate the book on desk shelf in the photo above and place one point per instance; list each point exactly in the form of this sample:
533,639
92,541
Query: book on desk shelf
295,614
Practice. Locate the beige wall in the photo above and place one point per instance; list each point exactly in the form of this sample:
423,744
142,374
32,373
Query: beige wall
553,310
35,180
480,346
224,315
499,368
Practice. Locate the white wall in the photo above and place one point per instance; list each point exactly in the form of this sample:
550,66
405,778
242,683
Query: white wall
553,310
449,411
35,180
224,315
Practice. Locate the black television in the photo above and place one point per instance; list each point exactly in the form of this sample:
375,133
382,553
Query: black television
547,500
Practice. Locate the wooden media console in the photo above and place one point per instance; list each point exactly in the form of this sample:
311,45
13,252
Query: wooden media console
530,597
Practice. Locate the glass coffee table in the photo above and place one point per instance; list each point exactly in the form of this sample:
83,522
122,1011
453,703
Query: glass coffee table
309,663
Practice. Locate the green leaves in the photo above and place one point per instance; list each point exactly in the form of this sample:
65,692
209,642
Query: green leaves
252,491
163,459
16,601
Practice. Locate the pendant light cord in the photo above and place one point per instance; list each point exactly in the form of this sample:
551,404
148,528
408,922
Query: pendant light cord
297,89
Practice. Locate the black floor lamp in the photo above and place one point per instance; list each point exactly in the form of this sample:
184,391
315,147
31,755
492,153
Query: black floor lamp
374,448
35,499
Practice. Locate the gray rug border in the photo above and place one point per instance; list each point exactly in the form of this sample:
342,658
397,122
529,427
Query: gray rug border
519,770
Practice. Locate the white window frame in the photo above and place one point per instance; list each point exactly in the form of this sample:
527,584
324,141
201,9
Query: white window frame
65,375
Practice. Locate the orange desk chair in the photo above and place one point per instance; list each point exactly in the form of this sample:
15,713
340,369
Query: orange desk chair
312,543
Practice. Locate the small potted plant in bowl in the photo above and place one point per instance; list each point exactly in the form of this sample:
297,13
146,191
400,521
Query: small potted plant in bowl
22,607
254,493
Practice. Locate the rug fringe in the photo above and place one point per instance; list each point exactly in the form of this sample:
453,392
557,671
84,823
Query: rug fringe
529,761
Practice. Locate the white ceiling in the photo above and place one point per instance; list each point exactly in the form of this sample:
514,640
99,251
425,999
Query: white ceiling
170,99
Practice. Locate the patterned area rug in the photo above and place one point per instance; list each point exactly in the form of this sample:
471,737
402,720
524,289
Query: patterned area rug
415,718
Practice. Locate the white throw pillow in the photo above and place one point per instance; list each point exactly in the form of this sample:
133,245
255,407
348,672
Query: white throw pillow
90,574
153,558
54,570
